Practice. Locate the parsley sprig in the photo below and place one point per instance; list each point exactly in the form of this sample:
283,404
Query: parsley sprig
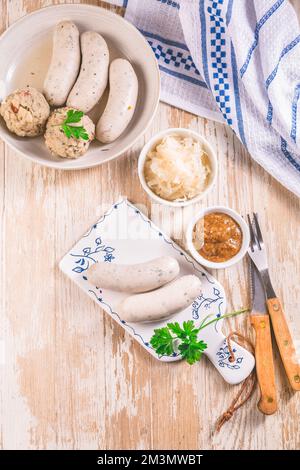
174,338
164,341
74,117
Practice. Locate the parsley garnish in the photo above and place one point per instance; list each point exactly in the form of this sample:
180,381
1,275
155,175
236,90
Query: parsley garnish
165,341
73,117
174,338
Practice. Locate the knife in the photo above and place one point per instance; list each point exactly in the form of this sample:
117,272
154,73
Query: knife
263,345
288,353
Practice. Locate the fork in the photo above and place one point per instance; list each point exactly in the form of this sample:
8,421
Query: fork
257,253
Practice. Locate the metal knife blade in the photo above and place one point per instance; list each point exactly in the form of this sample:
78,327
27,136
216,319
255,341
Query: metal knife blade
257,291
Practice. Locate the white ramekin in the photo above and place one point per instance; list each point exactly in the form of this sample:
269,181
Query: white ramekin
234,259
185,133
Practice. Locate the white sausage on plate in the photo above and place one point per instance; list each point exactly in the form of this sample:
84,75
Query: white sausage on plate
134,277
161,303
93,76
65,63
121,102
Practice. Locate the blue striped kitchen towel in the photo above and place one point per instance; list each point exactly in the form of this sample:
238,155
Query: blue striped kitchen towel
234,61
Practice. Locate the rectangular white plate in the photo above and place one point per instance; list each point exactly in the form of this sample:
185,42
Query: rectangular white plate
125,235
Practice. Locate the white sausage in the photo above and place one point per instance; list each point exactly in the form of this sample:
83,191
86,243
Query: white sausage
161,303
65,63
121,102
134,277
93,75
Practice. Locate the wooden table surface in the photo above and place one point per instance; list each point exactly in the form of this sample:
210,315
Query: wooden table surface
71,378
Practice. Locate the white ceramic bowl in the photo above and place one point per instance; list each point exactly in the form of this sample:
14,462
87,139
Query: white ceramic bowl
184,133
234,259
25,51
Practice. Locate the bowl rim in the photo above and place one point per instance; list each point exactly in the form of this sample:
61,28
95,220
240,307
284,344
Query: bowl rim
151,142
157,86
237,217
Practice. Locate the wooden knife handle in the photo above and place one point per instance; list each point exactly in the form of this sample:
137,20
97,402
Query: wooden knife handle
285,342
264,364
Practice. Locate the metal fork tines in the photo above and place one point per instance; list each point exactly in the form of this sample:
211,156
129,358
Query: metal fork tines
257,253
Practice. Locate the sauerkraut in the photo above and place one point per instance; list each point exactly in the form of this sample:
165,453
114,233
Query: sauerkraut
177,169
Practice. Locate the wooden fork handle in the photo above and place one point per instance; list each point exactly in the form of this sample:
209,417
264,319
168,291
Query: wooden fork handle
285,342
264,364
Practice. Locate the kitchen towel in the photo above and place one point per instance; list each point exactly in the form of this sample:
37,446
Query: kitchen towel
234,61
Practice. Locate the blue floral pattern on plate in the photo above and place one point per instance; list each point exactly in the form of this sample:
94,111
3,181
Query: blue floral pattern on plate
87,255
207,303
223,355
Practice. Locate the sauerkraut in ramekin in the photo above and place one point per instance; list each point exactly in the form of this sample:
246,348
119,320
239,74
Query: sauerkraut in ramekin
177,169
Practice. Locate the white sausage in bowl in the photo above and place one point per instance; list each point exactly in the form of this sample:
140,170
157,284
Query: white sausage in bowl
93,76
161,303
65,63
132,278
121,102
